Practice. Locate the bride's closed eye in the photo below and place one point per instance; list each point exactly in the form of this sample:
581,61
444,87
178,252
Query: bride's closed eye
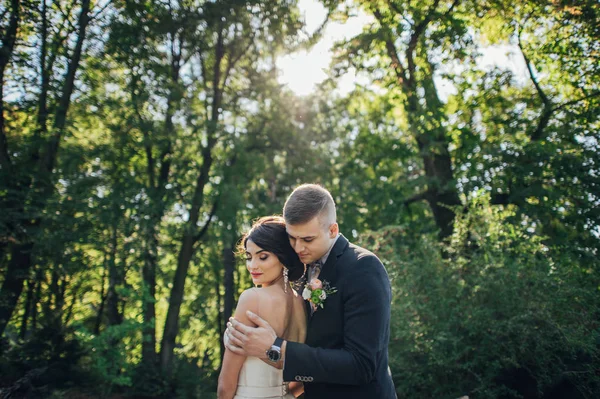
261,257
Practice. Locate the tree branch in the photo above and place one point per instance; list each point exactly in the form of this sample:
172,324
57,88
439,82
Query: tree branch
538,133
204,229
416,35
391,49
8,44
100,11
547,114
545,100
572,102
146,134
416,198
60,120
451,8
394,7
232,61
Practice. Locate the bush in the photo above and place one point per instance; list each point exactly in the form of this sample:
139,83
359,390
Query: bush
499,315
46,361
106,357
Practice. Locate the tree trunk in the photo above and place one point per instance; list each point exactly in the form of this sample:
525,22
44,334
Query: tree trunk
60,120
114,280
432,140
18,268
31,286
8,44
190,236
51,296
100,313
172,321
21,253
186,252
37,297
42,115
228,300
157,194
433,143
69,313
56,298
148,299
6,166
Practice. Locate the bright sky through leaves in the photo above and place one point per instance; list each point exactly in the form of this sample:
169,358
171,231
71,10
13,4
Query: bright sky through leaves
302,71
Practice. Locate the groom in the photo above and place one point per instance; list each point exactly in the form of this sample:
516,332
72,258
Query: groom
346,350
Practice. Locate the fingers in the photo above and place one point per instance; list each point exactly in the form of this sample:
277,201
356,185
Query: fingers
232,340
238,327
237,338
256,319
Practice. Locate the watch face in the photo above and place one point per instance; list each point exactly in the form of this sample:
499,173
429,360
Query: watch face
273,355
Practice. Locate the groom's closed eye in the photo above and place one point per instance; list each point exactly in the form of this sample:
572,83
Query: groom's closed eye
305,239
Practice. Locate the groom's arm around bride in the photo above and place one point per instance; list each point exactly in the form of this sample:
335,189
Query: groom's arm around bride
346,350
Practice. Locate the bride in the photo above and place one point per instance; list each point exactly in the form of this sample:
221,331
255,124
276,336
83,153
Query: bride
272,263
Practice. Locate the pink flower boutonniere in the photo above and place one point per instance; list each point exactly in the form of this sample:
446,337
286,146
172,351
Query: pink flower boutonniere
316,291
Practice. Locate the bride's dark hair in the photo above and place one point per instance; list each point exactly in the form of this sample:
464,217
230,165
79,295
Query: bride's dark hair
269,234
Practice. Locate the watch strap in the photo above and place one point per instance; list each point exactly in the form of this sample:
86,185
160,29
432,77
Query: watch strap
278,342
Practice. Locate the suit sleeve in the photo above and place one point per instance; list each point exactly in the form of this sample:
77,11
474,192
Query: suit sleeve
366,305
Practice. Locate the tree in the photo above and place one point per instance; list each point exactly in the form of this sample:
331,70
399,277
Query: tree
29,177
466,141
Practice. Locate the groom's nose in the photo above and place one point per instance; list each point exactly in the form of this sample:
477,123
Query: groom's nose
298,246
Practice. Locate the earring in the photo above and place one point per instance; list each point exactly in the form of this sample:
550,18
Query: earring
285,279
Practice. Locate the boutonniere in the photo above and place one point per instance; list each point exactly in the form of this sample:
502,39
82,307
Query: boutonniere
316,291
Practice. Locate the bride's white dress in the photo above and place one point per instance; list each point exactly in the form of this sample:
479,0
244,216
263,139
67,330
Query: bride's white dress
259,380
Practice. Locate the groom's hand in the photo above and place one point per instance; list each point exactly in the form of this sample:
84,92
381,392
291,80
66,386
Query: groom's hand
250,341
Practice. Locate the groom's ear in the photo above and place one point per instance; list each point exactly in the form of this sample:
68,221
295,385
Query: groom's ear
334,229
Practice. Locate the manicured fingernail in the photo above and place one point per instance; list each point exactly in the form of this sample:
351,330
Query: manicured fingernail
249,313
228,324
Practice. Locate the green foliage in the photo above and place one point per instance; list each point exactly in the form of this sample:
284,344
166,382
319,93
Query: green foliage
47,361
107,356
507,307
501,316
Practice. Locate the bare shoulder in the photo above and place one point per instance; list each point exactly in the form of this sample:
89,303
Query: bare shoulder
257,300
249,300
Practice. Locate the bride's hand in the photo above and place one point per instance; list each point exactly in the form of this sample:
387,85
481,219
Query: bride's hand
250,341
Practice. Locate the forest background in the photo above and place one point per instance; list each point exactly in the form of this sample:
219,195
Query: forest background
140,138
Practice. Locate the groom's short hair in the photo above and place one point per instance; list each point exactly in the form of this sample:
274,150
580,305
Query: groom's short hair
307,202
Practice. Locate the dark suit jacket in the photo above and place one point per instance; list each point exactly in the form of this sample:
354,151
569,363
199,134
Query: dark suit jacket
346,350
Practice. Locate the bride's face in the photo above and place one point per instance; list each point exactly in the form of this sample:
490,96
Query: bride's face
264,266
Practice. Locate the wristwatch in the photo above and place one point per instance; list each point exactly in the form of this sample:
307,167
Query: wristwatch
274,353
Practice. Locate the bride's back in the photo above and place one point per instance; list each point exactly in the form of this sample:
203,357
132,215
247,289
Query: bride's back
285,312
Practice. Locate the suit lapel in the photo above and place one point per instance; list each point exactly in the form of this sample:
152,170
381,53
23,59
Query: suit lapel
329,270
307,307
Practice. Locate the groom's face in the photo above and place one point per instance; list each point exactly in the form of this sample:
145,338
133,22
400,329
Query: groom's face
312,239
